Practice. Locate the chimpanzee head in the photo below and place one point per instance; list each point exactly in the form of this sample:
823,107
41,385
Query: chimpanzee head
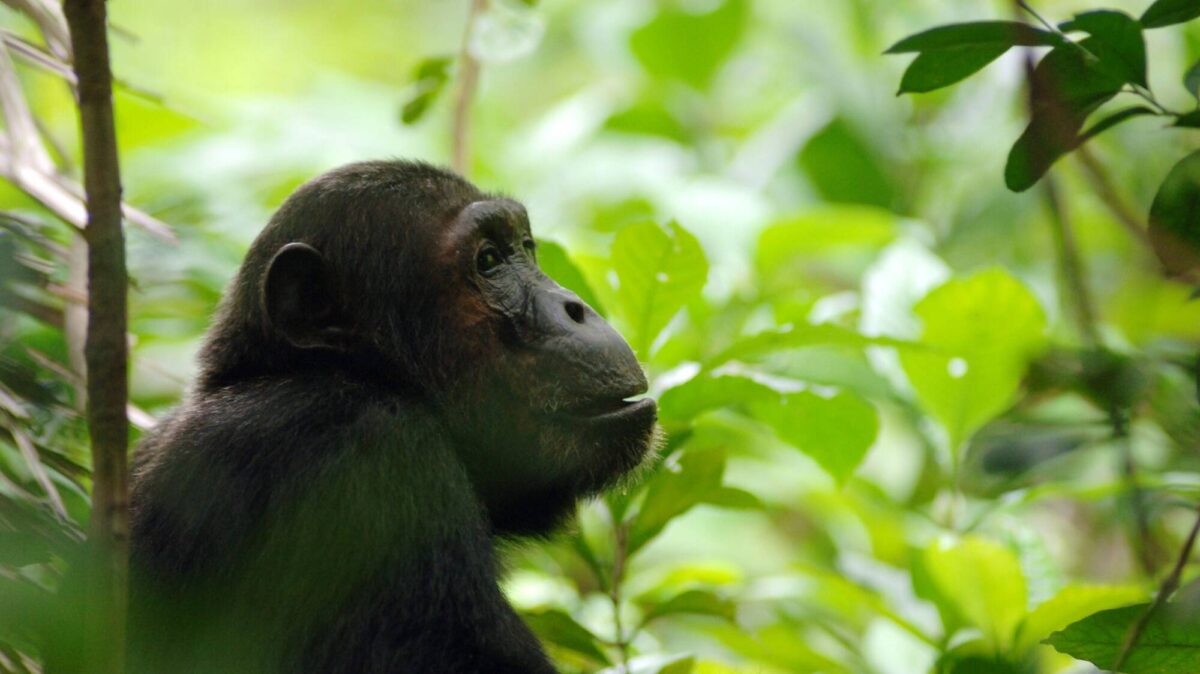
409,278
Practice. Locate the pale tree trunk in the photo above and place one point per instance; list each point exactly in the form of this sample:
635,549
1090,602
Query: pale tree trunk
105,349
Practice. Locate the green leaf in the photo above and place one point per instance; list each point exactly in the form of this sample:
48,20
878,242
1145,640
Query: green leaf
934,70
695,602
1170,644
1170,12
793,336
1175,217
733,498
682,45
983,581
1117,43
674,491
560,629
1072,603
1191,79
804,236
982,330
844,166
1066,88
659,271
836,431
429,79
700,394
555,263
979,33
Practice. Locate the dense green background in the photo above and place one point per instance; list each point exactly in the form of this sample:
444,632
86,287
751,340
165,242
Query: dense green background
887,452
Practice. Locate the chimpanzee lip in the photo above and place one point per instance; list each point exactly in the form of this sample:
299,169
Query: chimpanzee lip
610,409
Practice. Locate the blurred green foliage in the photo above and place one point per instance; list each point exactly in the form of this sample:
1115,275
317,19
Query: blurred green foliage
891,446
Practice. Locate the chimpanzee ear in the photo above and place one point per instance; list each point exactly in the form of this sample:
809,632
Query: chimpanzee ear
299,301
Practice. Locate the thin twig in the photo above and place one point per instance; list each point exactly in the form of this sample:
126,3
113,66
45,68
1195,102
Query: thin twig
1025,6
620,553
1102,184
468,80
1168,587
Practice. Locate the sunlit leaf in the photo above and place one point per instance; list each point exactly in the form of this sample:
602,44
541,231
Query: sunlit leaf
982,330
560,629
835,430
1170,643
1073,603
674,491
983,581
659,271
1175,217
695,602
1169,12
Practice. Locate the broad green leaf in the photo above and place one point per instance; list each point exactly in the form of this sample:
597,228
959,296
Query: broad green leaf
1191,79
1066,88
793,336
683,45
1073,603
1117,43
659,271
695,602
673,492
815,233
733,498
1175,217
555,263
429,79
982,330
560,629
1170,644
949,54
836,431
700,394
1170,12
992,33
934,70
845,167
984,582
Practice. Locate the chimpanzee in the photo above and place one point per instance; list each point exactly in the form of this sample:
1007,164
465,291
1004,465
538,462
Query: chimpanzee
390,387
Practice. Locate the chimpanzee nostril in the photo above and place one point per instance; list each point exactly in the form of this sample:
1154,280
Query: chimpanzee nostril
574,310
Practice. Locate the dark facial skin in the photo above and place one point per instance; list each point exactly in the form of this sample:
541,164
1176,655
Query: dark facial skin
538,442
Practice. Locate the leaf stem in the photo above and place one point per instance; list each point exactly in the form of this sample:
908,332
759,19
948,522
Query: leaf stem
1049,26
1168,587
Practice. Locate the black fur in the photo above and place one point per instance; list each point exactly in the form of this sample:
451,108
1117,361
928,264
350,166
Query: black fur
377,405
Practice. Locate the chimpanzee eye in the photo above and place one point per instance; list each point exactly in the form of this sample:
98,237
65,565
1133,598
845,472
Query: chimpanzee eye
488,260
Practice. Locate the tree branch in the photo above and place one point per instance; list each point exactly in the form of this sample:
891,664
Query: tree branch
468,79
106,348
1168,587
